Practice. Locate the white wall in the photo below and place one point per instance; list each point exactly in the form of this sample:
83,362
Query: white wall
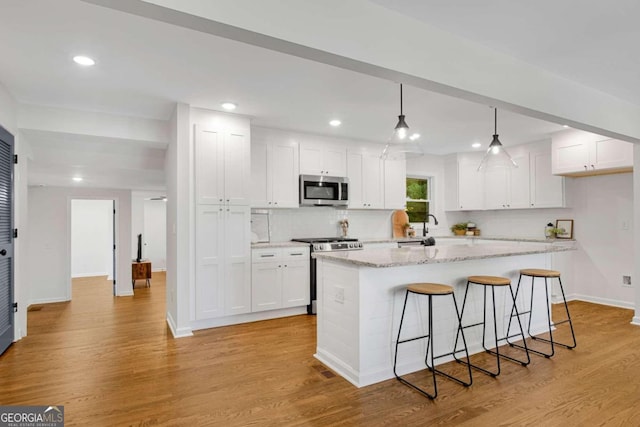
155,234
49,240
600,207
91,238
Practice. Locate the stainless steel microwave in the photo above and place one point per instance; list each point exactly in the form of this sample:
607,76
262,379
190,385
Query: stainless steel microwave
320,190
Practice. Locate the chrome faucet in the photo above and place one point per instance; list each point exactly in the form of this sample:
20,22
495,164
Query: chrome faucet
425,230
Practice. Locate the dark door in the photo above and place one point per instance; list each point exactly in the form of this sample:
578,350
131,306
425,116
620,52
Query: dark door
6,239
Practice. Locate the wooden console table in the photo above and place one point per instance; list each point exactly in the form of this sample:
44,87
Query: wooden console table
141,271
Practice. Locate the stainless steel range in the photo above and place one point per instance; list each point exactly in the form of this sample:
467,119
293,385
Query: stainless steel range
325,244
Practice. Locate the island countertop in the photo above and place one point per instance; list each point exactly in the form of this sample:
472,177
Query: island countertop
396,257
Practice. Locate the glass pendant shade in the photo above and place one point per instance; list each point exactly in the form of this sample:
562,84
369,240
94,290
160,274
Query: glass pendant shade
496,155
401,146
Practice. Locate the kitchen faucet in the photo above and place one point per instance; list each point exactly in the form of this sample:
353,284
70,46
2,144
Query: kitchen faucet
425,230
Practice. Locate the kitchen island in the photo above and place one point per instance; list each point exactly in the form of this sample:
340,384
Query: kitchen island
360,297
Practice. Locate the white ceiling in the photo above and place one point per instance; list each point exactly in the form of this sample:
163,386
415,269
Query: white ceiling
144,67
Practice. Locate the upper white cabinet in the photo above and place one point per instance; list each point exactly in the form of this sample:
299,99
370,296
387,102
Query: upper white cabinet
395,184
365,173
318,158
578,153
464,184
547,190
530,185
222,166
508,188
274,173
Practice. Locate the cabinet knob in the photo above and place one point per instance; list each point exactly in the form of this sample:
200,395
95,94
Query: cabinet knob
221,199
593,167
585,167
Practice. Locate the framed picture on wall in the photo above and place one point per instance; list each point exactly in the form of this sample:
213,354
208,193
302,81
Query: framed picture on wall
565,228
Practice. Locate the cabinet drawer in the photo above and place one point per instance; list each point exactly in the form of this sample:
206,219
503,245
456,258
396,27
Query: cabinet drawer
295,253
265,255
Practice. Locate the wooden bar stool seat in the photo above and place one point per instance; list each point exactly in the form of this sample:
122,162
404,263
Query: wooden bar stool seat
535,273
492,282
431,290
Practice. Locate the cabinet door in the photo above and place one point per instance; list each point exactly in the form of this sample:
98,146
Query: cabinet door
283,174
611,154
372,181
547,190
260,197
395,184
237,169
209,169
570,153
209,275
470,186
295,283
496,188
266,286
237,247
335,161
518,190
311,159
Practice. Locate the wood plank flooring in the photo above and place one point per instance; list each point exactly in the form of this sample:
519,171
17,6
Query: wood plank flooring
112,362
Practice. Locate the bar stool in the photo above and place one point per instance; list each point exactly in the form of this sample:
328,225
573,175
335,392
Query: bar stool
493,282
430,290
545,274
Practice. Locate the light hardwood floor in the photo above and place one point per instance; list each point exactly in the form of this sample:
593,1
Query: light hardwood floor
113,362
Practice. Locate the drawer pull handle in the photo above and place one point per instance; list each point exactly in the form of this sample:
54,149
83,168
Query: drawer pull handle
267,256
297,253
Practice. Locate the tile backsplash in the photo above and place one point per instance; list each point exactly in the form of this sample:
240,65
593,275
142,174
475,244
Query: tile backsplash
286,224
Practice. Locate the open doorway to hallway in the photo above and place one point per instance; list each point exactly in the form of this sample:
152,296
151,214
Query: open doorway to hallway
93,247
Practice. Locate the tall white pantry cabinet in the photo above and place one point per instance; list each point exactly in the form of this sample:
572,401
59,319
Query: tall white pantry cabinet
222,227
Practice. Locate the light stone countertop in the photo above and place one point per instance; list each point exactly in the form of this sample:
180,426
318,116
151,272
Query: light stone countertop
451,237
286,244
414,255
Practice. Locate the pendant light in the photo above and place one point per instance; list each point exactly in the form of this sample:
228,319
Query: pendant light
496,155
401,145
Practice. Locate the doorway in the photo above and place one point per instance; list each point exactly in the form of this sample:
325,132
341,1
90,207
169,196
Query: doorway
93,240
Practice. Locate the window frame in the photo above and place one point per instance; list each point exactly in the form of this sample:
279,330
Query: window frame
429,200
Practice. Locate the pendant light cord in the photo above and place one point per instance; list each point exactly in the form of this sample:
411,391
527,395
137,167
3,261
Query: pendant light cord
495,120
401,99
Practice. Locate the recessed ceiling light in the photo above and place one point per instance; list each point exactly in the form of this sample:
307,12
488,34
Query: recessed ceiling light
84,60
335,123
77,178
565,126
414,136
229,106
476,145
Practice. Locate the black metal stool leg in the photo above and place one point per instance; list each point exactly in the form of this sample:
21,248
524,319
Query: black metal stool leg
430,356
551,341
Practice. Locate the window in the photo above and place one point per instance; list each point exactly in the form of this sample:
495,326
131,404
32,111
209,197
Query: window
418,198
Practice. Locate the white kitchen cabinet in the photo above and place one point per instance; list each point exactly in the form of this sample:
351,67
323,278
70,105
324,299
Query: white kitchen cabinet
464,184
507,187
222,166
280,278
223,261
395,184
323,159
578,153
274,174
364,171
547,190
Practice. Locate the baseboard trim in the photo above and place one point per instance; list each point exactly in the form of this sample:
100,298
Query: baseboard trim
635,320
47,301
603,301
76,276
175,331
246,318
